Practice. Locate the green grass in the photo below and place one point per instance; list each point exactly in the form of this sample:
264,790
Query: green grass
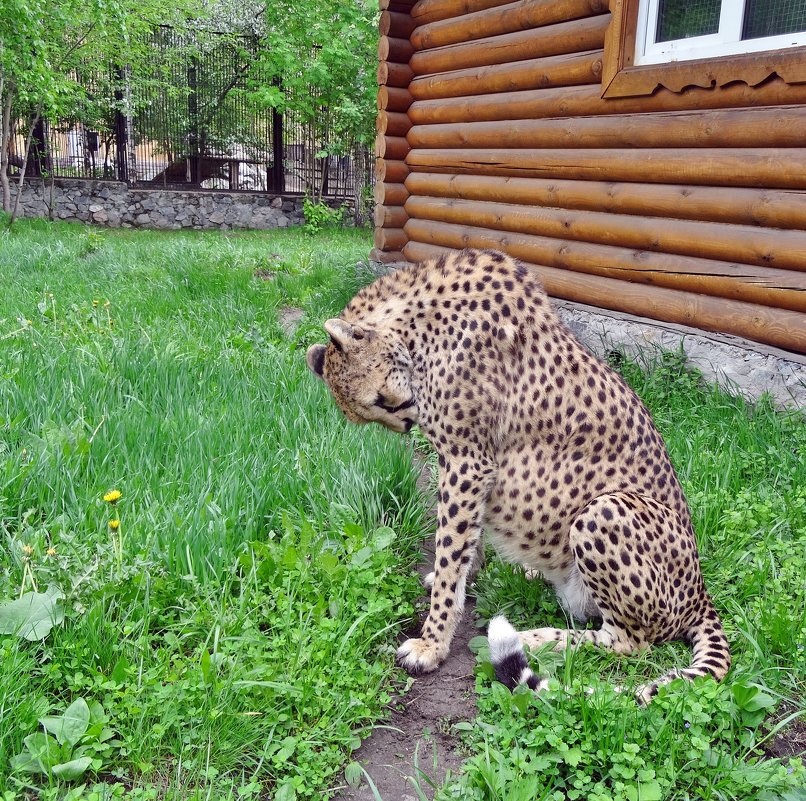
235,627
744,471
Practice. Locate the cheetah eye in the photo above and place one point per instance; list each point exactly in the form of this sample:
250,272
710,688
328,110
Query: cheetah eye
382,402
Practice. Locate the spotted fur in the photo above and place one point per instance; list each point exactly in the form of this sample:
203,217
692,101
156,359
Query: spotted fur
540,444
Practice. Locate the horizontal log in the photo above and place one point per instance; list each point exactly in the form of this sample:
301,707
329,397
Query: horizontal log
426,11
391,98
778,327
782,168
390,216
398,51
392,123
390,194
393,172
767,127
517,16
392,257
393,148
584,101
767,257
720,279
390,238
770,208
396,23
576,36
564,70
390,74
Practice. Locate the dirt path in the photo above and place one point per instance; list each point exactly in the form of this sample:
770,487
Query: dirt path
421,726
421,722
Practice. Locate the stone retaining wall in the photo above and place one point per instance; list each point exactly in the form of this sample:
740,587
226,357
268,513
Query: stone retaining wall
738,365
115,204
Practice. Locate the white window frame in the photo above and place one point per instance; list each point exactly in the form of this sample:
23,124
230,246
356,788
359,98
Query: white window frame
726,42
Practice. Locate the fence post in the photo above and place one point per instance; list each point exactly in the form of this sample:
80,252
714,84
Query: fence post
278,163
121,138
39,157
193,116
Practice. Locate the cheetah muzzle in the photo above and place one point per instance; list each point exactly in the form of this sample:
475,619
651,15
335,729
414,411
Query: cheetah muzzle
541,445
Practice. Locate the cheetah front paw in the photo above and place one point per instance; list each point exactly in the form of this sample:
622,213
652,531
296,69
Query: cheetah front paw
421,656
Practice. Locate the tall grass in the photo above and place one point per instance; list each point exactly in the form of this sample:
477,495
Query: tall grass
231,626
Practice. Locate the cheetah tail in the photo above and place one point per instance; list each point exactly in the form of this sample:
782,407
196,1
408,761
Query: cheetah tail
509,660
711,657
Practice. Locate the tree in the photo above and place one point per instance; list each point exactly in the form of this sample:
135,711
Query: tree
48,47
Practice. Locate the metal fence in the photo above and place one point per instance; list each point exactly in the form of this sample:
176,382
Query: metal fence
202,121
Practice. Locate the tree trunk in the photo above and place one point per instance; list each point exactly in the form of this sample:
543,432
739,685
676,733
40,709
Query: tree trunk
5,142
25,154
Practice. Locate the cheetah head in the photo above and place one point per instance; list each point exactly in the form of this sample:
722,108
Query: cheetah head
368,373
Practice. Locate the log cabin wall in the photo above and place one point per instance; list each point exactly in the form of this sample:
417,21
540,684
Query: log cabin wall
682,206
391,148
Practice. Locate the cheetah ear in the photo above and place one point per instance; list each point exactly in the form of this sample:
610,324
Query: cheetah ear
340,332
316,359
343,334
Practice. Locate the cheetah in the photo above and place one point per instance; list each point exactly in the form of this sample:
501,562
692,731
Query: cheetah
539,444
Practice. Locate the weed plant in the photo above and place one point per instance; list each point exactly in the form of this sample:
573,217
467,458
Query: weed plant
228,615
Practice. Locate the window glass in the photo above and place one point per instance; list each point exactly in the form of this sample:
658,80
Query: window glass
682,19
773,17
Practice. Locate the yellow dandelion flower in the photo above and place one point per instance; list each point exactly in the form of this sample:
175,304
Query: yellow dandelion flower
107,304
114,524
94,303
113,496
27,550
51,552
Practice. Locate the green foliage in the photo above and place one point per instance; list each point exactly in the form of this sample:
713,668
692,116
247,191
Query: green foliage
237,626
33,614
71,743
319,216
324,53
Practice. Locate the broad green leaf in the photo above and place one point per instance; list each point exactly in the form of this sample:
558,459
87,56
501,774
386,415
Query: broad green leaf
383,537
477,643
207,669
33,615
70,727
353,774
118,674
67,771
286,793
649,791
361,557
44,750
758,702
25,763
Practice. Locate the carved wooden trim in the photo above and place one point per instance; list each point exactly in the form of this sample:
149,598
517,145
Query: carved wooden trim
621,78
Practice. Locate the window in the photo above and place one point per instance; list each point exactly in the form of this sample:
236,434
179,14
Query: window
679,30
677,44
